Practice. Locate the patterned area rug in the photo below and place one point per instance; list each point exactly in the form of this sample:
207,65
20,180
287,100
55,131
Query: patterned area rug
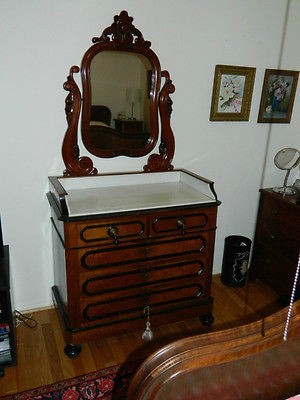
106,384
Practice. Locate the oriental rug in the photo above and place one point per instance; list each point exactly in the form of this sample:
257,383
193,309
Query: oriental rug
106,384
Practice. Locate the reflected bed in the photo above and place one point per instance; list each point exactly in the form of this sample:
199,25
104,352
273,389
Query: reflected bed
103,136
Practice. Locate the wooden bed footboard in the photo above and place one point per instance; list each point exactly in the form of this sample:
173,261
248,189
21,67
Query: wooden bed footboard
252,361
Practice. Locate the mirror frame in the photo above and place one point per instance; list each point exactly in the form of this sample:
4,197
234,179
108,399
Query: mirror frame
120,36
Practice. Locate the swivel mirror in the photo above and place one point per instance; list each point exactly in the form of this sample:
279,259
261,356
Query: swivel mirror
286,159
121,102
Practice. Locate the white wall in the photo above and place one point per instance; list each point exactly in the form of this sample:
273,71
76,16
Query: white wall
280,136
41,39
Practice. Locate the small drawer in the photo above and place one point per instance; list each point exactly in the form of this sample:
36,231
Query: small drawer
104,231
183,221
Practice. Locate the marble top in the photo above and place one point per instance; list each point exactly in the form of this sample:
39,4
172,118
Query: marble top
133,192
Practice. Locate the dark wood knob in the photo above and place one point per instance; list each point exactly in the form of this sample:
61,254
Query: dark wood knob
181,225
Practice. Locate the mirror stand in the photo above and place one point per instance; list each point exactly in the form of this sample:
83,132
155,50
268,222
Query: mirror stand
121,36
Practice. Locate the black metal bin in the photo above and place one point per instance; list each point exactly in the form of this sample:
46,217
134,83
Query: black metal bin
235,260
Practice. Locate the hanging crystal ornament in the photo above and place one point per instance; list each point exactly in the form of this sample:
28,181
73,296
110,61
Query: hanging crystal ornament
147,334
291,301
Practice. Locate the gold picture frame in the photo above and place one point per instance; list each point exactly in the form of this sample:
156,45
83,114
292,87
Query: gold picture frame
278,95
232,93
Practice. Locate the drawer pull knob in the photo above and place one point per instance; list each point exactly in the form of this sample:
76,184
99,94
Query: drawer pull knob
147,334
113,232
201,248
181,225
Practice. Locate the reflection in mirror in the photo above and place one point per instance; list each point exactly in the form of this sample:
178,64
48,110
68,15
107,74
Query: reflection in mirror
120,100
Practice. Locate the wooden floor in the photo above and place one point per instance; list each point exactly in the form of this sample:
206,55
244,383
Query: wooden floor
41,359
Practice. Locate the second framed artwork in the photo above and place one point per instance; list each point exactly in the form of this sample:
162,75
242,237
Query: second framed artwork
232,93
278,95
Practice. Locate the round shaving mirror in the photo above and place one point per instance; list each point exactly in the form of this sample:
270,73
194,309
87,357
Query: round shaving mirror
286,159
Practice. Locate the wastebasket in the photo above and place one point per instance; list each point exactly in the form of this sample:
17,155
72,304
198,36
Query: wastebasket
235,261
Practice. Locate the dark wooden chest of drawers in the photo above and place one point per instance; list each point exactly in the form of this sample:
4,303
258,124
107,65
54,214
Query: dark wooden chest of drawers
129,125
110,268
277,242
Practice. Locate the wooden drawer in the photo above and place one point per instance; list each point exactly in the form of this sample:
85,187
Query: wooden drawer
278,216
131,304
280,240
143,266
105,231
274,270
182,221
98,284
99,258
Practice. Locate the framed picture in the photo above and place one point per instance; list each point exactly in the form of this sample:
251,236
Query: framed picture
278,94
232,93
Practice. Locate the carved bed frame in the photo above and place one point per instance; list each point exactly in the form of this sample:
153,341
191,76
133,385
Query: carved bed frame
254,361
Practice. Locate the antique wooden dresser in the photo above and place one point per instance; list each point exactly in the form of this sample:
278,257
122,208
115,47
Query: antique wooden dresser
277,242
126,242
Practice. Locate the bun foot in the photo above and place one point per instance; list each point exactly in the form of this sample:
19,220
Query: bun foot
207,320
72,350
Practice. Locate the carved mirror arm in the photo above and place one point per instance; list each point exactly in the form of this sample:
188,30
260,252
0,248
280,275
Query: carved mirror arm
162,161
75,165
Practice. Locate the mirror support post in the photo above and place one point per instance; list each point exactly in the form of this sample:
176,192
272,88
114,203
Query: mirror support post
163,160
75,165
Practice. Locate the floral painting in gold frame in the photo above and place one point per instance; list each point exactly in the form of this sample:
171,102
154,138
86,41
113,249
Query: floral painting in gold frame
278,95
232,93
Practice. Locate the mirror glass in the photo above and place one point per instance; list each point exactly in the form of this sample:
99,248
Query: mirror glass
120,101
286,159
